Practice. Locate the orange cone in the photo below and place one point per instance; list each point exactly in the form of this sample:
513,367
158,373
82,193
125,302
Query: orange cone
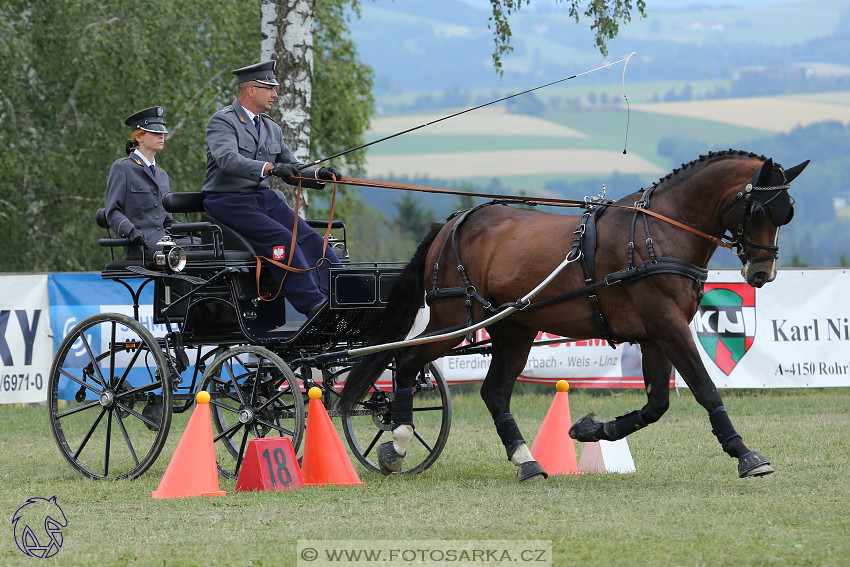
192,470
325,460
553,448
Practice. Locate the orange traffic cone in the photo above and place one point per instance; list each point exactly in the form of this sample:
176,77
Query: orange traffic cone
325,460
553,448
192,470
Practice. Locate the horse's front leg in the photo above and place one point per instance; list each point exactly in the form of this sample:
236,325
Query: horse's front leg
511,345
656,376
683,353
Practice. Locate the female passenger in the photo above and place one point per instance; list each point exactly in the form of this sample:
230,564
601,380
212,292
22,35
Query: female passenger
136,186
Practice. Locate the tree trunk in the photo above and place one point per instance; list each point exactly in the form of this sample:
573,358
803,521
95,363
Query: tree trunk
287,36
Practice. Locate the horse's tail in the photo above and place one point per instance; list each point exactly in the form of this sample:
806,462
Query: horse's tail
394,325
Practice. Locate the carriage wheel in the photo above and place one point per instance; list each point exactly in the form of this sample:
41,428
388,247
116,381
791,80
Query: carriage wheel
109,397
253,394
369,424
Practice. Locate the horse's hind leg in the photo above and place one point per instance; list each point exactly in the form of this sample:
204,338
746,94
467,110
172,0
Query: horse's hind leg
511,345
409,363
656,376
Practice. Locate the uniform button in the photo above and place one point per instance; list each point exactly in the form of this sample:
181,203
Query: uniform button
156,217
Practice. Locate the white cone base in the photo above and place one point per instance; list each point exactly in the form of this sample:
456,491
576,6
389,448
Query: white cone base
606,457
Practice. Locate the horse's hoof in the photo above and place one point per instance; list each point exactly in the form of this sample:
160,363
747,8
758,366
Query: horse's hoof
388,458
531,471
753,464
585,428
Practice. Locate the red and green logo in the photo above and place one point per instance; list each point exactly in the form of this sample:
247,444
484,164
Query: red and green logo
725,323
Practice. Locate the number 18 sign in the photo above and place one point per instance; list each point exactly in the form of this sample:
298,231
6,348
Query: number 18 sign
269,464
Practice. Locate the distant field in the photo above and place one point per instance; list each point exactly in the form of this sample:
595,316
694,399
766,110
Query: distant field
482,164
484,121
779,114
528,151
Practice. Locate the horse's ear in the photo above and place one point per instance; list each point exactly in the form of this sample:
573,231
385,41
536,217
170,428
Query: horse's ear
764,174
793,172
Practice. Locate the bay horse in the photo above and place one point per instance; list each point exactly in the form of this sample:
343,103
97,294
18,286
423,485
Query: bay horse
655,243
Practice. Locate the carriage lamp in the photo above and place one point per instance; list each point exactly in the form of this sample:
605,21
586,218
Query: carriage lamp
171,256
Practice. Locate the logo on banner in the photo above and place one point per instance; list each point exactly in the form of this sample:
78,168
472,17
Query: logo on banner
279,252
725,323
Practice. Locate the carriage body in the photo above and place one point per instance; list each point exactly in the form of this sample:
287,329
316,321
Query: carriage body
111,409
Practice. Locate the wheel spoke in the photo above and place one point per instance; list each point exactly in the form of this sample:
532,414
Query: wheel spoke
108,444
93,360
89,434
126,436
422,440
138,415
372,444
228,432
241,451
82,383
89,405
278,428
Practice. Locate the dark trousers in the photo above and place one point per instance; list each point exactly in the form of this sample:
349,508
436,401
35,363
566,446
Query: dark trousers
267,221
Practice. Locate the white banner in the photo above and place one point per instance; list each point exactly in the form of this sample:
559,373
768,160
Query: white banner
794,332
26,342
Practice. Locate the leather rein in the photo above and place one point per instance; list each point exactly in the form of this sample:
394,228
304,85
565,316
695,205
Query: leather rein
543,200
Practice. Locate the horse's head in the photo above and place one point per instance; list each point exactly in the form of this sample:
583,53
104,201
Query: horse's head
754,217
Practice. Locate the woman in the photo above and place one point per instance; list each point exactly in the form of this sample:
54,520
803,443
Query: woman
136,186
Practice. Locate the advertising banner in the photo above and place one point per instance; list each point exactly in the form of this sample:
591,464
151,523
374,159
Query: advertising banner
25,341
794,332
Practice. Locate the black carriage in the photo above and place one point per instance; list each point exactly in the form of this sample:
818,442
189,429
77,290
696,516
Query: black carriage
114,385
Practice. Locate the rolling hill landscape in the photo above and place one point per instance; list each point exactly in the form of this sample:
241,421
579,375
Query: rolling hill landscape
768,77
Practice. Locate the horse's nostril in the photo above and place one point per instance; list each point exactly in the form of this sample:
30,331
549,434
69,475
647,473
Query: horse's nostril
759,279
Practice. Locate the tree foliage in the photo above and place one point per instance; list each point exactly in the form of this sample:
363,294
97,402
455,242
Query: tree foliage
75,69
605,15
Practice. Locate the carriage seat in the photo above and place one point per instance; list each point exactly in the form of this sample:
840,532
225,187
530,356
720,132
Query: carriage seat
235,244
117,265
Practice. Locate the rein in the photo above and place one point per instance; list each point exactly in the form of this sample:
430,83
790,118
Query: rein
547,201
288,266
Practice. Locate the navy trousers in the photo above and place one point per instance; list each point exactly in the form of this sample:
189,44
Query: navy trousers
267,221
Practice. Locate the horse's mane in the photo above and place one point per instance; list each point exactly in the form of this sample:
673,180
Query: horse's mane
708,158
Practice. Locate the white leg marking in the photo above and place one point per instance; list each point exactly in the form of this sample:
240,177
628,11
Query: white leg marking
401,438
521,455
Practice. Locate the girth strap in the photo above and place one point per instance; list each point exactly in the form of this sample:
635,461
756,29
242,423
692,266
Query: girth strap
661,265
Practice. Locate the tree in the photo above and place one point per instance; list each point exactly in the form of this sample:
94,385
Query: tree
606,15
72,72
326,97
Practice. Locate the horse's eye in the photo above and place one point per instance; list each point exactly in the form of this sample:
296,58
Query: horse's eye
757,215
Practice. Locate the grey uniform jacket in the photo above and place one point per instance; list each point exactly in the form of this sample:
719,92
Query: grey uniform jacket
236,154
134,198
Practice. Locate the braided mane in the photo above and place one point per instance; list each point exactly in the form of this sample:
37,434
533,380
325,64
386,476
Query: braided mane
710,157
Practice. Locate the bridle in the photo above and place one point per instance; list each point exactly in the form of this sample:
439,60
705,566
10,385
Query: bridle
759,202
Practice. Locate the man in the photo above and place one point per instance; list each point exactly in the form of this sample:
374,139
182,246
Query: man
244,148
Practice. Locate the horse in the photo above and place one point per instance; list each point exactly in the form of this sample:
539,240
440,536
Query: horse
652,246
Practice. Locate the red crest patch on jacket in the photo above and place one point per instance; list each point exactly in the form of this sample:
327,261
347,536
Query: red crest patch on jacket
279,252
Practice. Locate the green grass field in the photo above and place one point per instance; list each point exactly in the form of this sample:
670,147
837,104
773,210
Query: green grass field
685,504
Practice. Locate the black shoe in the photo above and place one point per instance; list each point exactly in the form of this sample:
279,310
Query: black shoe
316,309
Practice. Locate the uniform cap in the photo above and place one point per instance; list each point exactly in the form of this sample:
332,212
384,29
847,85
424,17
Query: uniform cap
259,72
150,120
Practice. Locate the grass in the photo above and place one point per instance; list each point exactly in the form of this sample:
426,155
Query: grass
683,506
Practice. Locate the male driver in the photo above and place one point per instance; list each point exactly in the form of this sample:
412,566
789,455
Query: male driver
244,147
